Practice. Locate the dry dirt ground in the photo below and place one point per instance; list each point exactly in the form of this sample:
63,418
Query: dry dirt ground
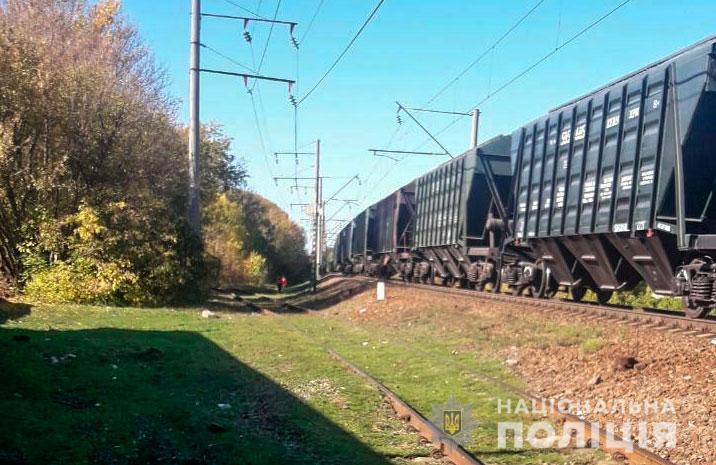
564,357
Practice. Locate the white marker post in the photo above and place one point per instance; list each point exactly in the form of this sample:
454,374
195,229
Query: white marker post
381,290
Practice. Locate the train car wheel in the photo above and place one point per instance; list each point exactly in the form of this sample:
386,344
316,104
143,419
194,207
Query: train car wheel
692,310
537,290
541,285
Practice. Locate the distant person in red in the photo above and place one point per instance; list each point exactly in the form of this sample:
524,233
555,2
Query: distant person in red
281,283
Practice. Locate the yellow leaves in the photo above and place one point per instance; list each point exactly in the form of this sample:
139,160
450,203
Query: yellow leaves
104,14
88,224
255,267
224,235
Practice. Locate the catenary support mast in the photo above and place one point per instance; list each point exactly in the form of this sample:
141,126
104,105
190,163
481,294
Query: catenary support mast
317,239
194,213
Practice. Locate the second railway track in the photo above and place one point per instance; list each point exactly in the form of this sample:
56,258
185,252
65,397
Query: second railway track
657,319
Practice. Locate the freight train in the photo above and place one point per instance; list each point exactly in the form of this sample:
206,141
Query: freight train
606,191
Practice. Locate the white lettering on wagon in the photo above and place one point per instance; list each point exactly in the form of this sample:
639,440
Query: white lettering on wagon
612,121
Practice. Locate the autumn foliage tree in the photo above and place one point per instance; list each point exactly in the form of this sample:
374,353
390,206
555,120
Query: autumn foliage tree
93,162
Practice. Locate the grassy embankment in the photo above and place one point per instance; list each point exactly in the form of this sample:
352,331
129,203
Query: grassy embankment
86,384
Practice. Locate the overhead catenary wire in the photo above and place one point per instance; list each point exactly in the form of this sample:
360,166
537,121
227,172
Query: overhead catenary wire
268,41
230,2
263,145
551,53
255,74
534,65
487,51
343,53
310,23
373,170
484,53
514,79
258,118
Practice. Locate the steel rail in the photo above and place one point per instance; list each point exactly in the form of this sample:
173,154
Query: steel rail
641,315
440,441
615,445
659,319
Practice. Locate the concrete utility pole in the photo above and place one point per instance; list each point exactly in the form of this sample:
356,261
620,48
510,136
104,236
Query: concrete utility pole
475,125
317,242
194,213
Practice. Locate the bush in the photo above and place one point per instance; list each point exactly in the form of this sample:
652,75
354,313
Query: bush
80,281
116,255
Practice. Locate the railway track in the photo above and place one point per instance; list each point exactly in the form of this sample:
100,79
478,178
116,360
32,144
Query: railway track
444,444
650,318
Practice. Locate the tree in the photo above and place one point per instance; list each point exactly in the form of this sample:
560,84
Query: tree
84,119
93,168
276,237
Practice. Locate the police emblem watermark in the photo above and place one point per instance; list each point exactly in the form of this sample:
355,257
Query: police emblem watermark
647,425
454,419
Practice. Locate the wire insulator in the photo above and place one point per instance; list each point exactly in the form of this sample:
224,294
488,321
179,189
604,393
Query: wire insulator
247,36
294,42
293,100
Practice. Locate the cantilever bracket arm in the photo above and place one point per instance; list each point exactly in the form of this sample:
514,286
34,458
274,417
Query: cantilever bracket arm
377,153
415,120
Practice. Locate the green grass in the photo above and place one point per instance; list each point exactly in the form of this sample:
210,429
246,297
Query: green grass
132,386
426,364
591,345
129,386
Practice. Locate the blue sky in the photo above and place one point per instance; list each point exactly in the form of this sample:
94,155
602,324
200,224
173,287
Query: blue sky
408,52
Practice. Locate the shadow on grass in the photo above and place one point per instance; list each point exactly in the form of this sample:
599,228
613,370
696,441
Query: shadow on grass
110,396
12,310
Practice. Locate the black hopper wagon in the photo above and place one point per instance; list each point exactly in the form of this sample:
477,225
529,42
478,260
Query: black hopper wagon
617,186
378,241
393,220
362,242
459,224
607,191
342,249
